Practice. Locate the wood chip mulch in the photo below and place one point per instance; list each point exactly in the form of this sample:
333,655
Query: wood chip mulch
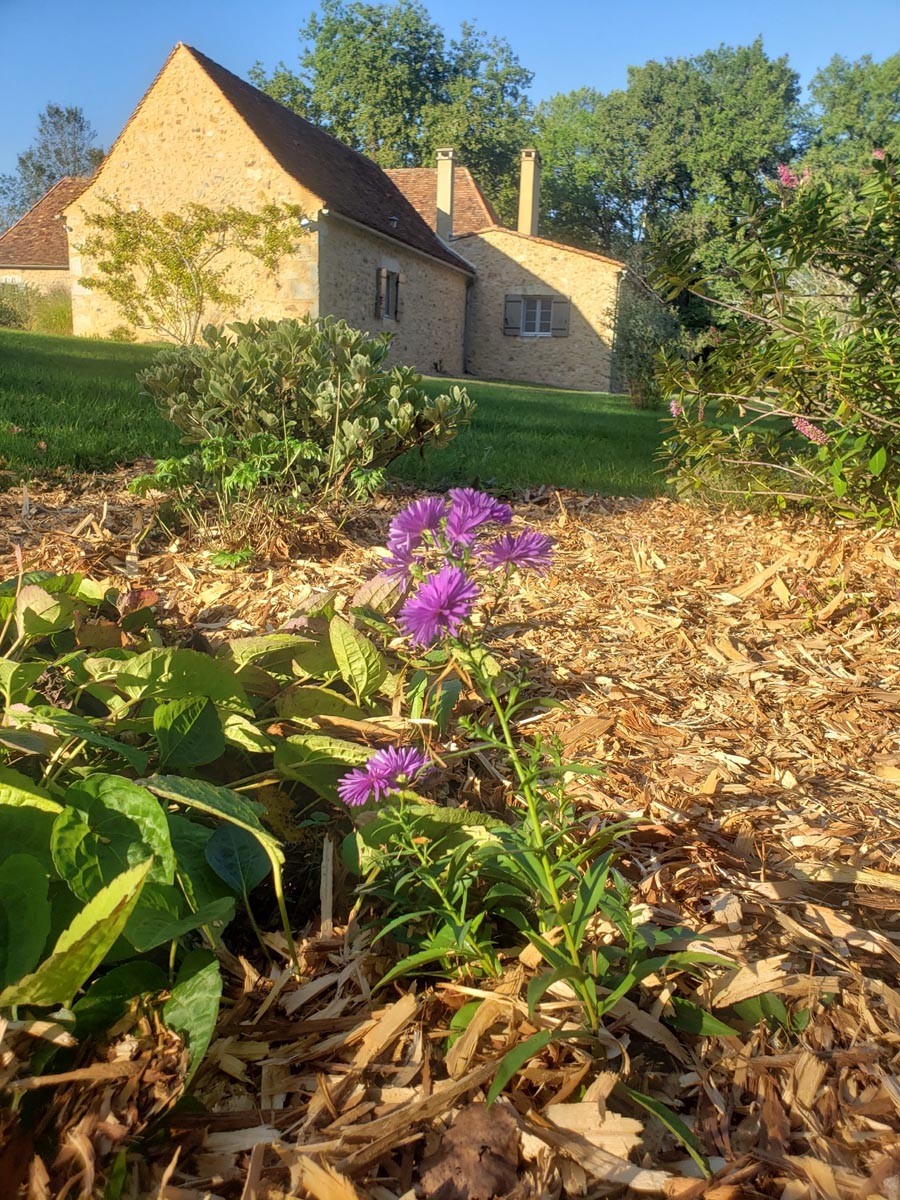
737,676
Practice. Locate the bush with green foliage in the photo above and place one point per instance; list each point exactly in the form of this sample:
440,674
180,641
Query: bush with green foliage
23,306
292,413
798,400
15,305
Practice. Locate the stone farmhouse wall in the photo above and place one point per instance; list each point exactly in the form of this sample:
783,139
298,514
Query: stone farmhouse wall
43,278
510,264
187,144
430,330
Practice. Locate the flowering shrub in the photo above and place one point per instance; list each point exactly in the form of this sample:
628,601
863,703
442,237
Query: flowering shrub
798,399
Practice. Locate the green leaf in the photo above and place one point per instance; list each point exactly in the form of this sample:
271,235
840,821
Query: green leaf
16,679
215,802
199,882
108,825
878,461
688,1017
517,1058
237,857
241,732
171,674
300,702
38,614
413,961
109,997
26,817
160,916
193,1007
674,1124
361,664
590,893
82,947
24,915
73,725
188,732
318,761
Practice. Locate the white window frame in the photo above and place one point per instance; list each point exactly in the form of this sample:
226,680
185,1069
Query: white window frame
543,309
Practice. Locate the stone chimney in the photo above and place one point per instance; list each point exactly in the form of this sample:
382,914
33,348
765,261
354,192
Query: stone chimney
529,193
444,225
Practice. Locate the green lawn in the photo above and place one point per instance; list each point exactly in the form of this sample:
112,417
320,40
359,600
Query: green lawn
73,403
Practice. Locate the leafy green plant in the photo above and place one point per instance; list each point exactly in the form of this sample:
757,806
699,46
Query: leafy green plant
291,413
797,399
164,271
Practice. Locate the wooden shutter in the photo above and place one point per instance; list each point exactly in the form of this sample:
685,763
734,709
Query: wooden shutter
559,318
512,316
380,285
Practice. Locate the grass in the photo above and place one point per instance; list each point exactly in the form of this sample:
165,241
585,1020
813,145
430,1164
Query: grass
73,403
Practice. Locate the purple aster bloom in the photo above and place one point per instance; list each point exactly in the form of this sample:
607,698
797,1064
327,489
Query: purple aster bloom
470,510
526,549
411,524
399,561
439,605
385,772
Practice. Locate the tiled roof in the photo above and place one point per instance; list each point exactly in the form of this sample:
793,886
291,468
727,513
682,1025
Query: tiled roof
541,241
38,239
346,182
471,209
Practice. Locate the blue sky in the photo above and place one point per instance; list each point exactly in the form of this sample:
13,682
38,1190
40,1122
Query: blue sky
102,54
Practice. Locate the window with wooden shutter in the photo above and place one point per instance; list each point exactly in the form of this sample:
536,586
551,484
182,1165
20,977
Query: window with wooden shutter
512,316
559,317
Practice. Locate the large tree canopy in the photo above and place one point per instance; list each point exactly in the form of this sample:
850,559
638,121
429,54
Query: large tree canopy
856,109
66,144
384,79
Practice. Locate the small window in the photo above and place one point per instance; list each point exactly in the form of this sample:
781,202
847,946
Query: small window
387,294
536,316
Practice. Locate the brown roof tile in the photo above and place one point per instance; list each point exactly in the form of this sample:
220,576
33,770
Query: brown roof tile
347,182
38,239
471,208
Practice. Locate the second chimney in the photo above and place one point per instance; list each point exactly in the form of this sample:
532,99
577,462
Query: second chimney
529,193
444,223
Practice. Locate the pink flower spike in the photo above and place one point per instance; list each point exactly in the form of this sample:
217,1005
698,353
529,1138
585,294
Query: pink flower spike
879,154
787,178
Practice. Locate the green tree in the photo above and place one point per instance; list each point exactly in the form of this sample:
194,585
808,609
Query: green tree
164,271
66,144
856,109
384,79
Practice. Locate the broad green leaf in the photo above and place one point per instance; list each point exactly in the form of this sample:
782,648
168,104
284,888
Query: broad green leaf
318,761
82,947
171,674
878,461
109,824
238,858
24,916
26,817
517,1058
109,997
50,582
73,725
196,878
382,593
38,614
16,679
215,801
273,651
188,732
193,1007
361,664
161,915
241,732
673,1123
300,702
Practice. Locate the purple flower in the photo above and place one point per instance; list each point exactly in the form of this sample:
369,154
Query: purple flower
439,605
812,432
526,549
676,409
470,510
399,561
412,523
386,771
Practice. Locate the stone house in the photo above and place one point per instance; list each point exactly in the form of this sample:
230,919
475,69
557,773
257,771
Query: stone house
418,252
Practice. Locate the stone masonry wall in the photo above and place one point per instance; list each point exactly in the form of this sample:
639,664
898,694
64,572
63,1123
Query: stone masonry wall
187,144
429,334
43,278
508,263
